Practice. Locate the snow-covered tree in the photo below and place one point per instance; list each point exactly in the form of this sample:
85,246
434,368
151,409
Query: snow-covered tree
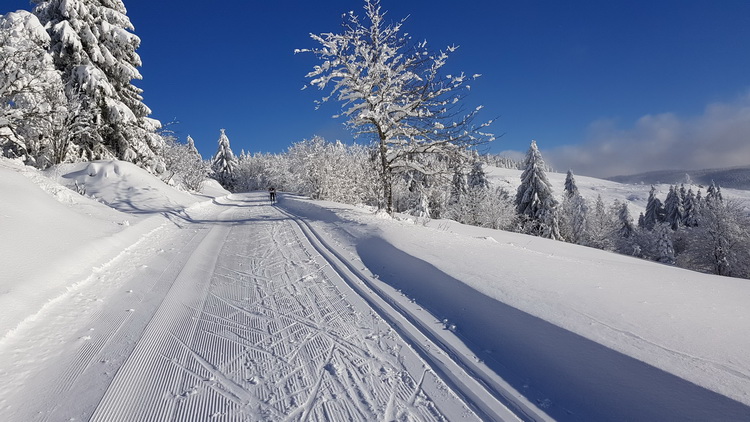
184,165
477,176
713,192
224,162
483,207
574,219
664,243
570,185
93,47
394,90
720,243
602,225
191,147
626,234
459,184
654,211
625,222
674,210
690,215
32,101
535,203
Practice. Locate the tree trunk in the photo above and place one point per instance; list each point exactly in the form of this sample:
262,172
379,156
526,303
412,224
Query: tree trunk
386,176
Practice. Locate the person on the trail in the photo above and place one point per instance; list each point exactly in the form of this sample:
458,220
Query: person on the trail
272,192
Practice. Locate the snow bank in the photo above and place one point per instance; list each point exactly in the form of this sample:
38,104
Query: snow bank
52,237
125,187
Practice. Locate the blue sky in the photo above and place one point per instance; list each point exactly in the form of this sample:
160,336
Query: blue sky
605,87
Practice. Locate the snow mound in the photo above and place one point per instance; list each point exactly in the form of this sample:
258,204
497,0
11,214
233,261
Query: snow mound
213,189
125,187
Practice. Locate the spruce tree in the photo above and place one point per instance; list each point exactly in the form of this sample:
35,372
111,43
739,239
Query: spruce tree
477,176
570,185
601,226
714,192
664,243
193,149
94,48
535,202
674,208
224,163
626,229
574,219
690,216
654,211
459,185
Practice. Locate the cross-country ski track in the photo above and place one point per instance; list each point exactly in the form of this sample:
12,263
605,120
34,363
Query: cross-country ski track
234,310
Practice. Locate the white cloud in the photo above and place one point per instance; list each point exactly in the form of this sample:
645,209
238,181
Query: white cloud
718,138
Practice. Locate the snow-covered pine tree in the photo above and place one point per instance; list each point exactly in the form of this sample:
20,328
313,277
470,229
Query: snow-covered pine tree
94,49
459,184
193,150
690,216
574,219
223,163
654,211
393,90
674,210
664,243
714,192
601,226
31,92
535,203
626,227
477,176
627,236
570,185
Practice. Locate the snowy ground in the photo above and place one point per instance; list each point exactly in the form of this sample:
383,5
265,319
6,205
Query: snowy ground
169,306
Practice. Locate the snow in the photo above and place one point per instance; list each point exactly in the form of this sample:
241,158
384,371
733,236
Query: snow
49,232
134,298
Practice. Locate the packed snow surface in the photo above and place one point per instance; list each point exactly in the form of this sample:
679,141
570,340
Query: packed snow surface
138,301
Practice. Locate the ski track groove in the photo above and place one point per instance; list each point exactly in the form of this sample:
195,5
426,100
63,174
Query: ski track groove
257,327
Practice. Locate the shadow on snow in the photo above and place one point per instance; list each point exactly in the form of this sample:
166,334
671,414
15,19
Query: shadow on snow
570,377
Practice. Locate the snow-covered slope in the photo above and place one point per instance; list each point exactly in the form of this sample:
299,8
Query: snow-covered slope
689,324
559,321
49,234
636,195
735,177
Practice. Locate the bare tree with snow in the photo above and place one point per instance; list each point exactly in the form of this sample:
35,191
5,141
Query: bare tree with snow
184,165
394,89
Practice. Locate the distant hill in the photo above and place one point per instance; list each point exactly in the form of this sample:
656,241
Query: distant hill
733,178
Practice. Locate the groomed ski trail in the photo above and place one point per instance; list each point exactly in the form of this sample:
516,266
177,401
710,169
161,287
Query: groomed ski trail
258,326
